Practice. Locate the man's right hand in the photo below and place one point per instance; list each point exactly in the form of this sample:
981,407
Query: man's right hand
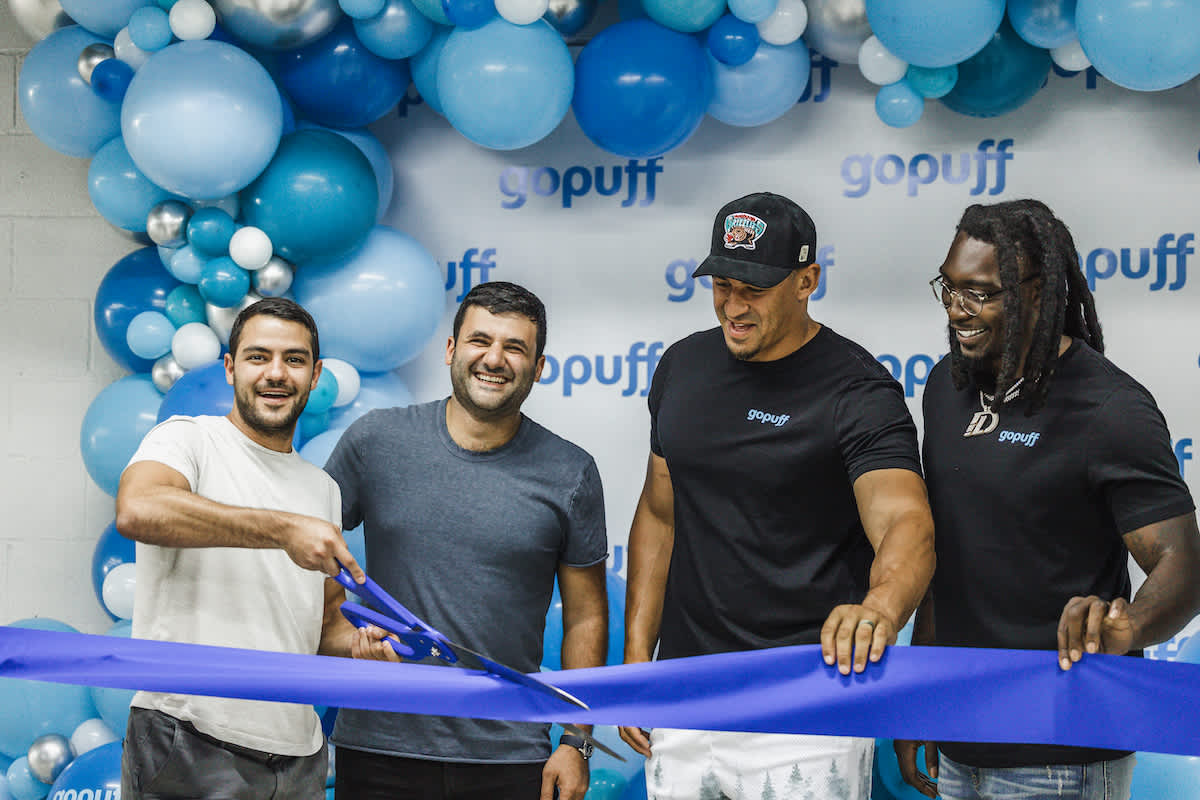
316,544
637,738
906,756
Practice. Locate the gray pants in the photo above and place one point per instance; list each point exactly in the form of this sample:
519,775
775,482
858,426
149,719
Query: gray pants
168,759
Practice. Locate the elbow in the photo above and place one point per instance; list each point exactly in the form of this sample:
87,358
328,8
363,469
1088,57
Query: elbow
131,519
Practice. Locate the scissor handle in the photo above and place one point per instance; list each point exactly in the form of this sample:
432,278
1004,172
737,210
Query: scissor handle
390,605
413,644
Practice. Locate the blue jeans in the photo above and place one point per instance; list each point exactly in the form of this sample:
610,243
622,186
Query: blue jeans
1103,780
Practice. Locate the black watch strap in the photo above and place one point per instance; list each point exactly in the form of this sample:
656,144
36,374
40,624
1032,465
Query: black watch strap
584,746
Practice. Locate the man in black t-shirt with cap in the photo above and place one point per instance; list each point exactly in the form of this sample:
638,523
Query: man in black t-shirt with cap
783,505
1047,467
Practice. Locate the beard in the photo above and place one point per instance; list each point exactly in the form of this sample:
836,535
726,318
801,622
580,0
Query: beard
965,370
488,407
281,421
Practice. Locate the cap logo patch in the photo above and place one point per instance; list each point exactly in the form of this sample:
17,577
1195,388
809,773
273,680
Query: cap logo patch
743,230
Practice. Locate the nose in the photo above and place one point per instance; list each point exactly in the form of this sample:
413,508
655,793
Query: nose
955,310
275,369
735,305
493,358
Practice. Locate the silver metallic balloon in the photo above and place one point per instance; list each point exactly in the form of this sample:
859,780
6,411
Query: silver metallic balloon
165,372
837,28
570,16
92,55
49,756
166,224
221,319
278,24
274,279
39,18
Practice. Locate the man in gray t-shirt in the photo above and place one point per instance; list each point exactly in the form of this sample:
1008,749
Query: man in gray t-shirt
471,509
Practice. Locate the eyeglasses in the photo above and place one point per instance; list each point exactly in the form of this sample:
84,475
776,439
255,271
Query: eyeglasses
971,300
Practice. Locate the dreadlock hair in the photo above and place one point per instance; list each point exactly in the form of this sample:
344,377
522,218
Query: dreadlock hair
1026,232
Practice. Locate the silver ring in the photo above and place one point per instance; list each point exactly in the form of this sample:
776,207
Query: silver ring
866,622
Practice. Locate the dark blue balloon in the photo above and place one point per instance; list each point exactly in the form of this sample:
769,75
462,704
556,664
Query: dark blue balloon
200,391
98,771
732,41
223,283
110,79
112,549
636,788
135,284
1001,77
337,81
469,13
641,89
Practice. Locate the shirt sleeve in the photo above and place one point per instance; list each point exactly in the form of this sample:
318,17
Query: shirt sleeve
174,443
587,538
345,465
874,428
1131,462
657,385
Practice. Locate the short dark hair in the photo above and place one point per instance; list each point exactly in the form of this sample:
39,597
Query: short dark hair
502,297
279,307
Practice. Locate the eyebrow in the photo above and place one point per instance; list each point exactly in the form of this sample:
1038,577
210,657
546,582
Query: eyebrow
293,351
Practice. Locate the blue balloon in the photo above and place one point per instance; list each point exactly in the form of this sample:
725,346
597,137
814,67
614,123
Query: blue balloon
552,639
103,17
733,41
425,66
377,390
486,73
378,307
23,784
149,335
641,89
899,104
113,427
752,11
885,773
1158,775
198,392
468,14
119,190
764,88
1043,23
223,283
321,398
60,108
934,33
209,231
337,81
135,284
604,784
111,79
98,771
202,119
362,9
398,31
636,788
312,424
688,16
381,163
316,200
1001,77
184,305
631,9
112,550
932,83
432,9
1145,45
29,709
150,28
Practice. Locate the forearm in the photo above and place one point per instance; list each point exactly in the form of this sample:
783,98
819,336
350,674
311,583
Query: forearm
903,567
173,517
650,543
1167,600
336,631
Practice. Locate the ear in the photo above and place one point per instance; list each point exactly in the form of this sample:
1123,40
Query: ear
229,368
537,372
316,375
807,280
449,349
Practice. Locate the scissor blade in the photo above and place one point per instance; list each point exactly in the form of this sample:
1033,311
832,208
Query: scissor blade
578,731
470,659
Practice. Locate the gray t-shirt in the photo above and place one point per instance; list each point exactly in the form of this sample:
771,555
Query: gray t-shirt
470,542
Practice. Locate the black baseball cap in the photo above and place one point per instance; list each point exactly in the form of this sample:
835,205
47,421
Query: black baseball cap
759,239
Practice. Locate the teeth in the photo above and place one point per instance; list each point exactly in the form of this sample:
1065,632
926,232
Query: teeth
969,334
491,378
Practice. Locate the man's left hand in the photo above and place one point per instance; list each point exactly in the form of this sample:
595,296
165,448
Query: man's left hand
1093,625
567,770
853,634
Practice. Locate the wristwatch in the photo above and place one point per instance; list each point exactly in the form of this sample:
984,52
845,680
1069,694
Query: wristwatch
584,746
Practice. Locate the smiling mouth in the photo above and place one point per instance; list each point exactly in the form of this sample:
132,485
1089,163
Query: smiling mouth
740,328
275,397
492,380
966,335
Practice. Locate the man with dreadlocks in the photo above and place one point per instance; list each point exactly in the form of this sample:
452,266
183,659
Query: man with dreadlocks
1047,467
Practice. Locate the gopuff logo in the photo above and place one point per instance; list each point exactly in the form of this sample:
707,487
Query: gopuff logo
99,793
911,372
819,83
635,367
1027,439
925,168
767,419
681,286
1101,264
1183,453
459,274
516,183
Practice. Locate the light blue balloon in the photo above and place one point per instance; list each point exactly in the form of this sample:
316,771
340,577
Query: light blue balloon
1043,23
425,65
932,83
223,283
362,9
186,264
113,427
58,105
23,784
398,31
150,28
321,398
5,791
486,73
432,9
103,17
934,33
763,89
184,305
113,704
1160,776
149,334
199,392
119,190
752,11
688,16
899,104
377,390
202,119
381,163
1144,45
311,424
209,230
377,307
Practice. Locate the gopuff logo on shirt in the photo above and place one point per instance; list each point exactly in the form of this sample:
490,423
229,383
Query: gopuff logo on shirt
767,419
1027,439
516,183
926,168
459,274
1102,263
681,286
635,367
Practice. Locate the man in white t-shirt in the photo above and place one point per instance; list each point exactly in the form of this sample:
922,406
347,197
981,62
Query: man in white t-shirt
234,530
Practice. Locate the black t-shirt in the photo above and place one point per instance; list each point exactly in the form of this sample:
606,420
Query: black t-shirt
1034,512
762,457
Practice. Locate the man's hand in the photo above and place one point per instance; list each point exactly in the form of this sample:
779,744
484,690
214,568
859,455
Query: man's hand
637,738
316,544
853,634
1094,625
372,643
566,770
906,756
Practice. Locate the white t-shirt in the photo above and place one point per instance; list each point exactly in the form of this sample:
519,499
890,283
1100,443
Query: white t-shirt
229,596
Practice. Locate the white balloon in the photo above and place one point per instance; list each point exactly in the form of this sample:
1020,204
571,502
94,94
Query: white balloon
90,734
1071,57
250,248
877,63
786,24
120,587
522,12
129,52
192,19
347,377
194,345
